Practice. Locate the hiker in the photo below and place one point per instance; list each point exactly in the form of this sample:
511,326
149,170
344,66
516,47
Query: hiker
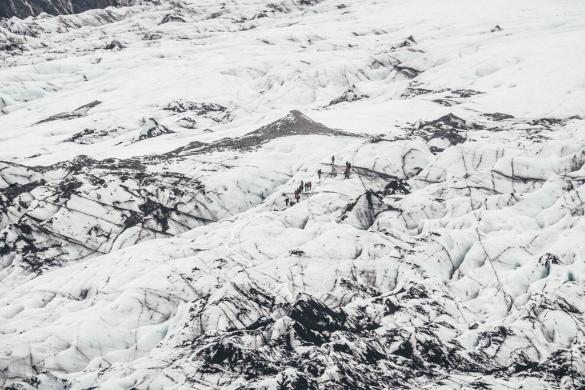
347,169
302,186
333,160
286,201
319,173
298,197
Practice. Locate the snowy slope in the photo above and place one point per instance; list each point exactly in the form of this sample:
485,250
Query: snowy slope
147,152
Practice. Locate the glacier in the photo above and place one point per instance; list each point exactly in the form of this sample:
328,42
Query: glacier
149,156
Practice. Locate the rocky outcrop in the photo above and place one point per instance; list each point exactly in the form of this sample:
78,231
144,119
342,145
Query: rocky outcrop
25,8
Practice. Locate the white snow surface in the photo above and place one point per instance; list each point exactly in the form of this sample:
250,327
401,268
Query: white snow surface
146,153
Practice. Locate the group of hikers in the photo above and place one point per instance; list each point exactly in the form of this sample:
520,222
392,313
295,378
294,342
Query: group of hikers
307,186
333,173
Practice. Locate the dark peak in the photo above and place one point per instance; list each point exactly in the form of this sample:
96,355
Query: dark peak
449,120
295,116
294,123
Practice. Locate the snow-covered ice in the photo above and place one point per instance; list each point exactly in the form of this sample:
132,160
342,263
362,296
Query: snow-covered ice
147,153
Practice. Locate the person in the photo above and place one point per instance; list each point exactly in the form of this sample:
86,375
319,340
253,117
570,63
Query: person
286,200
319,173
347,169
333,160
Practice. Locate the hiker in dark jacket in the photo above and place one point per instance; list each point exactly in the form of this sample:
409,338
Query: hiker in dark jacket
319,173
347,169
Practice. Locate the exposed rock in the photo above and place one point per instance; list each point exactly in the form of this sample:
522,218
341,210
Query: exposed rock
152,128
295,123
115,45
168,18
77,113
25,8
445,131
351,95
